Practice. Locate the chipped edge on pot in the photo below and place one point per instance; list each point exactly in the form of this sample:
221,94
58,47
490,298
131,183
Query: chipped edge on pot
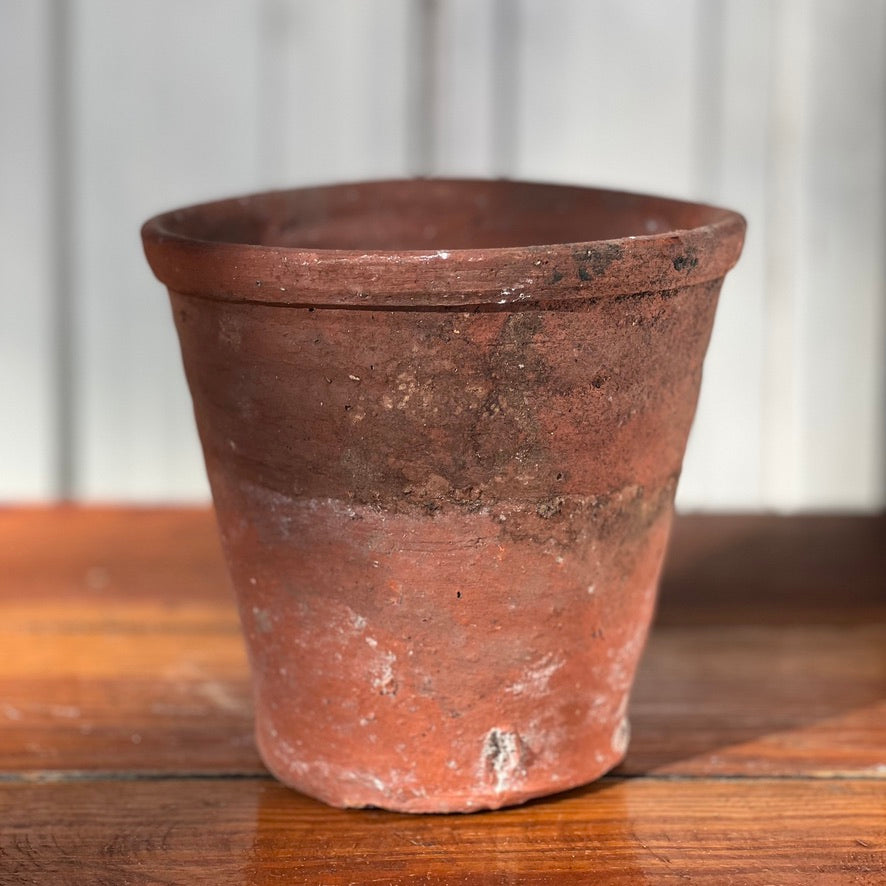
503,277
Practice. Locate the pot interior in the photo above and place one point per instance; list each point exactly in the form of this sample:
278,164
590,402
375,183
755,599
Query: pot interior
435,214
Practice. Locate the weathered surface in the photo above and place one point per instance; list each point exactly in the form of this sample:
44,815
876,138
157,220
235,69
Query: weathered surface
445,523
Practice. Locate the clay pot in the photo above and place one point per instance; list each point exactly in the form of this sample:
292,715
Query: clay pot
443,423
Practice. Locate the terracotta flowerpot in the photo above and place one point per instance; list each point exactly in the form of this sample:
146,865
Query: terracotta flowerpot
443,423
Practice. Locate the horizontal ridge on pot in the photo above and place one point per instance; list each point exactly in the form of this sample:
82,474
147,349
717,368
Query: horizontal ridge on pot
292,247
443,446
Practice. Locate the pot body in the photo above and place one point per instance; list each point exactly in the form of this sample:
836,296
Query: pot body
445,526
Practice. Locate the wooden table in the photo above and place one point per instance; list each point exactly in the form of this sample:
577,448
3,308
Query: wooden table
126,755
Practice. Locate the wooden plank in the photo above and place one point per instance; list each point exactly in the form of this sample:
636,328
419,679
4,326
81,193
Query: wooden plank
766,657
162,116
747,701
745,833
28,456
121,645
772,571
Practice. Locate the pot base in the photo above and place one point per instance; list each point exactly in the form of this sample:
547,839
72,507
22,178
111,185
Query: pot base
512,782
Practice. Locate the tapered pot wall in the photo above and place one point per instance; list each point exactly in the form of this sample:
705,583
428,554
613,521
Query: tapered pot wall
444,510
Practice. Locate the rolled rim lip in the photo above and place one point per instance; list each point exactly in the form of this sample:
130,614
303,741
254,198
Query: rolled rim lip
504,275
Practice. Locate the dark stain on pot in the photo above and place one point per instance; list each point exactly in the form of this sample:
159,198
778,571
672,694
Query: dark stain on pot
505,430
686,262
555,277
595,260
568,521
632,296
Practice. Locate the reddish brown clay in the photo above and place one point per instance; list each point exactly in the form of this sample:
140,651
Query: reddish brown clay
443,423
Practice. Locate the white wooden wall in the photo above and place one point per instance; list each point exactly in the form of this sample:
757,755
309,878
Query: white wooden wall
112,111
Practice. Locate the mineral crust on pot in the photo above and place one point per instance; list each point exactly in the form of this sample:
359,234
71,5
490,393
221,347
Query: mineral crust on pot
443,423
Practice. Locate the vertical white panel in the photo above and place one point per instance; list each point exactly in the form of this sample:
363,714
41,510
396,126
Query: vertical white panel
464,114
724,461
27,450
607,93
338,90
164,112
787,270
842,315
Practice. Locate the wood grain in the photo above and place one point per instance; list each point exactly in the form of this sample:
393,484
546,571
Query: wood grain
630,831
759,721
121,644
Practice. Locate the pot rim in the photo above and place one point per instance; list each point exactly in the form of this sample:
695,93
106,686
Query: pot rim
185,256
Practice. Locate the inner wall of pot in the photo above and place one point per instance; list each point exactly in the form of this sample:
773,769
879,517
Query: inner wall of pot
422,214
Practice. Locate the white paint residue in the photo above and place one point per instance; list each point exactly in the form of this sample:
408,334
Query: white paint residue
502,758
621,736
361,781
535,679
383,674
263,620
358,622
